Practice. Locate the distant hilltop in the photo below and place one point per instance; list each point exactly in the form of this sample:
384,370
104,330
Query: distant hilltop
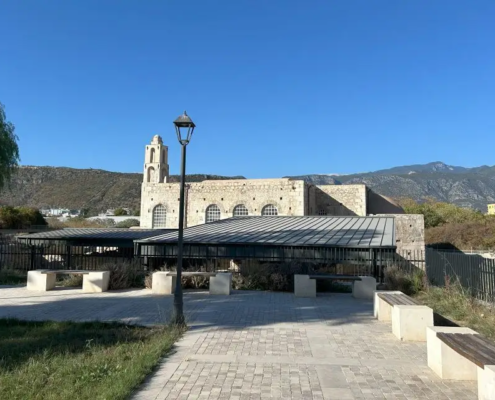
465,187
93,189
99,190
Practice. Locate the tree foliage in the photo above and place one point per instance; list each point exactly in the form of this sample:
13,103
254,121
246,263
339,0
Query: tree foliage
438,213
127,223
119,212
20,217
9,150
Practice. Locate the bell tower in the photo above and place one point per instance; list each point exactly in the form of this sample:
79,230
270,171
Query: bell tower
156,162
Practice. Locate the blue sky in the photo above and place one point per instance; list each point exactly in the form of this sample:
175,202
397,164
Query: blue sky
279,87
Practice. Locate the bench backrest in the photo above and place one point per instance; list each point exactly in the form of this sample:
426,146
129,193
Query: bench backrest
475,348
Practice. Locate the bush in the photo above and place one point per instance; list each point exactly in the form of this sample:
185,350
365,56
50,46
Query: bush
72,280
119,212
124,274
408,283
127,223
269,276
80,222
468,235
20,217
456,303
437,213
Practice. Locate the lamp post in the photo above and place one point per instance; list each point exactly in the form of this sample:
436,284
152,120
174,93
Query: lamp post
184,128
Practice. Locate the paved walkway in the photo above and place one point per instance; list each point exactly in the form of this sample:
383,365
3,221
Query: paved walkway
257,345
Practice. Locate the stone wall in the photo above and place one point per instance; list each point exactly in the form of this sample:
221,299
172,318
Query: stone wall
337,200
379,204
409,232
286,195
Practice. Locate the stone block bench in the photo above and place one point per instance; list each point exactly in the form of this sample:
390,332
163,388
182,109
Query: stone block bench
409,318
44,279
363,287
462,354
163,282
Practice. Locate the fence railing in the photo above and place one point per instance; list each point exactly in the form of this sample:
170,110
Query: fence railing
56,255
475,273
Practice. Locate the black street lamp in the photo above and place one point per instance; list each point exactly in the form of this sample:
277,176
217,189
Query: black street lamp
184,128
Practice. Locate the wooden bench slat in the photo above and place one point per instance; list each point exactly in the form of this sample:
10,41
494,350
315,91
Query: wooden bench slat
335,277
205,274
68,271
485,348
476,349
463,347
483,341
398,299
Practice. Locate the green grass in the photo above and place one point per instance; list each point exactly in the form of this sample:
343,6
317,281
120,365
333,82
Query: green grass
456,304
68,360
12,277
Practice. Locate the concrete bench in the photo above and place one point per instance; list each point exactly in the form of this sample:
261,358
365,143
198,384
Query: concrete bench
462,354
44,279
363,287
409,318
163,282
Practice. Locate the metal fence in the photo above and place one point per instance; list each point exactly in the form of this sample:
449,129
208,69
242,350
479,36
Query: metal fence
57,255
475,273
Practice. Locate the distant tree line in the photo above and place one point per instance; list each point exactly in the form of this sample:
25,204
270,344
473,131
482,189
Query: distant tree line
453,227
438,213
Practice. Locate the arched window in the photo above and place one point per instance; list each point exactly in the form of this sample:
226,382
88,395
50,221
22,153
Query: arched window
159,217
151,174
269,209
152,155
322,212
212,213
240,210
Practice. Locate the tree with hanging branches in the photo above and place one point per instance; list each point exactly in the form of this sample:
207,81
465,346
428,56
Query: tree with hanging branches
9,150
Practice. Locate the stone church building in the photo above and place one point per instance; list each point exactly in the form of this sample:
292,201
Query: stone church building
212,200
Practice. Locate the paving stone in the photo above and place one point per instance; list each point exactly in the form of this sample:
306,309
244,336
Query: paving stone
259,345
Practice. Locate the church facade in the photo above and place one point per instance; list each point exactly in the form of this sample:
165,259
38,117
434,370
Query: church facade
212,200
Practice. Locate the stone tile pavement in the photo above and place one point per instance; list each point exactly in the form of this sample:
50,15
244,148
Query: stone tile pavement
260,345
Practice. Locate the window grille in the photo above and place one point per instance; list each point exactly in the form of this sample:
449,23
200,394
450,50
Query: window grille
212,213
269,209
240,210
159,217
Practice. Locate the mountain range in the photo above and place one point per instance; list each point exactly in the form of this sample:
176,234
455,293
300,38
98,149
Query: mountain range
465,187
99,190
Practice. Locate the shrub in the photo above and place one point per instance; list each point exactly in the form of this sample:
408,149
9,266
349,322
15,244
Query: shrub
124,274
20,217
72,280
148,281
119,212
127,223
408,283
80,222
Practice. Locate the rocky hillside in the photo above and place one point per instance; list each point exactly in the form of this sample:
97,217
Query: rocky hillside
100,190
97,190
465,187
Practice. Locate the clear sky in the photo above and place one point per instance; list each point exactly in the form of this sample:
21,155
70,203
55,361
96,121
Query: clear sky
276,87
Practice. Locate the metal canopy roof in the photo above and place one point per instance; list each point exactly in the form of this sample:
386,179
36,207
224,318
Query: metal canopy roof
313,231
95,234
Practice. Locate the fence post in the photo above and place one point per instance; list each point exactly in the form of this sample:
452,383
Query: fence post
33,258
375,266
68,248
